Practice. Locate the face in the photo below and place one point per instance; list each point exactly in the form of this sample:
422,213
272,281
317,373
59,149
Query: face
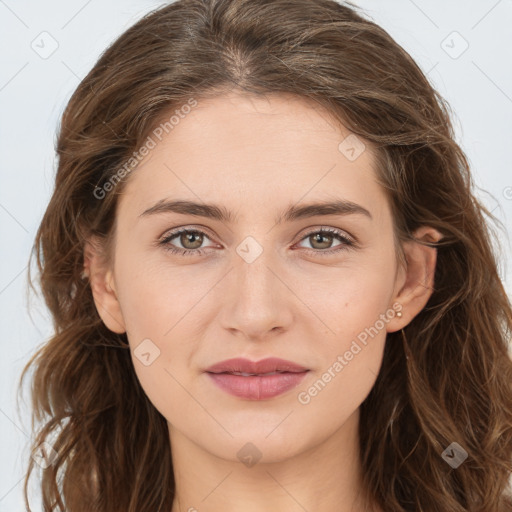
269,279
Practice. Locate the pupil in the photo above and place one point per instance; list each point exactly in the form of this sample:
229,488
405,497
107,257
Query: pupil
189,237
319,236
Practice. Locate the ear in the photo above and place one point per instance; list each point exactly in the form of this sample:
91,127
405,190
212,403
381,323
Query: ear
415,281
101,279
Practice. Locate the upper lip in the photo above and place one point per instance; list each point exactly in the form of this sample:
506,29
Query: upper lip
268,365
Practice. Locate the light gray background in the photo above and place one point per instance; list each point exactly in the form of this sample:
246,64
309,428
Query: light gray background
35,86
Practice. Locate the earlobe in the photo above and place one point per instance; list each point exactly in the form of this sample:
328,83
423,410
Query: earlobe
101,279
416,283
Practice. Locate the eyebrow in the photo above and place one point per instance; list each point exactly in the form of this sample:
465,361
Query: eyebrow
293,212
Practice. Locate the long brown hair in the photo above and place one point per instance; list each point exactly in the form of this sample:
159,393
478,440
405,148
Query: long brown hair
446,378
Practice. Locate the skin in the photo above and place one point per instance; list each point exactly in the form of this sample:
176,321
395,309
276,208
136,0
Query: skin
256,156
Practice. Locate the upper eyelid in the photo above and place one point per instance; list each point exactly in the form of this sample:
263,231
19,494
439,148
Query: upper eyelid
171,233
330,229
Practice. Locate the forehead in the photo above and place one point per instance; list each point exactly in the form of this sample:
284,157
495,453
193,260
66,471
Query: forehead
256,151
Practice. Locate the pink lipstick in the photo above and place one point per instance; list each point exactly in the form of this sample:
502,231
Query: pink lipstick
256,380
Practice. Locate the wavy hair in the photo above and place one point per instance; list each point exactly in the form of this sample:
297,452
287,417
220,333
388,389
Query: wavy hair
445,378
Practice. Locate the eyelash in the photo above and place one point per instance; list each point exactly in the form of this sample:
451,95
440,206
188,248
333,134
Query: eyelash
347,243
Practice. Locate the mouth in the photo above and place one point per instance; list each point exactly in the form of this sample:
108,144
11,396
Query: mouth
256,380
247,367
245,374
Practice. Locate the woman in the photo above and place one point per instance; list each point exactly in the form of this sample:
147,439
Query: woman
272,285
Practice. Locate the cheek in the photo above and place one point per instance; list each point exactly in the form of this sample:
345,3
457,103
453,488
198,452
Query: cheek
352,348
350,345
158,304
335,393
154,296
348,300
354,308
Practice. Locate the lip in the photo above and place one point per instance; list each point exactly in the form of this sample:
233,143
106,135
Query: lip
268,365
229,376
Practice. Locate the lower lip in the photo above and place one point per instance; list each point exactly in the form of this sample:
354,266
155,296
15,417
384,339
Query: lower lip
257,387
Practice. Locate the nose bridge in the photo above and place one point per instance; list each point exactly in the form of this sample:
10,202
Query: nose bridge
252,269
256,302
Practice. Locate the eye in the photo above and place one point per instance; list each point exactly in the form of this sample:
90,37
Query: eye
322,239
190,240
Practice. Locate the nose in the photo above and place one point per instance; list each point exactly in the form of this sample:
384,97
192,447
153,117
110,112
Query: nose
257,300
